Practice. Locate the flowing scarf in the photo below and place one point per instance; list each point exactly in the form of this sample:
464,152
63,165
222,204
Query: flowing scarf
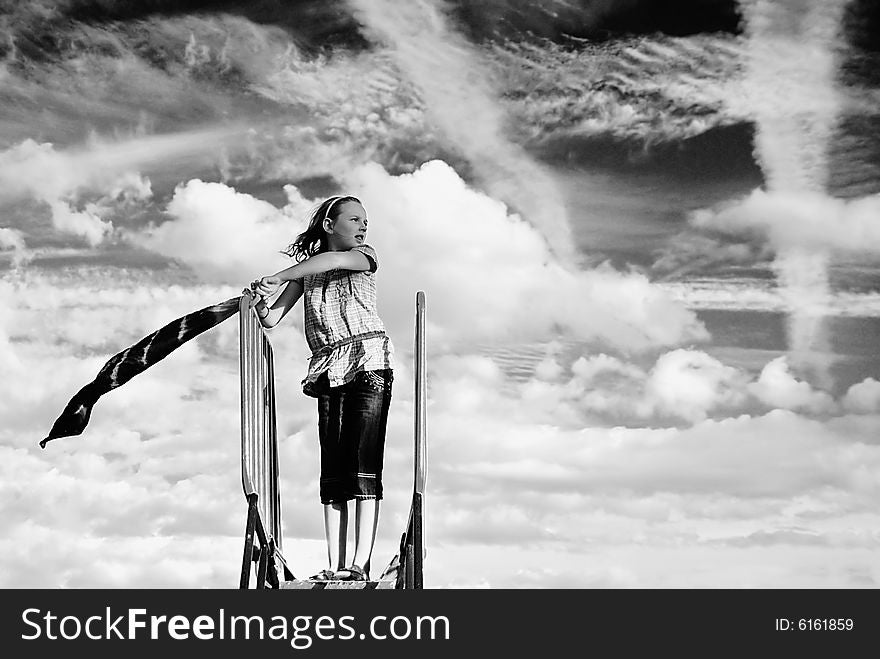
135,359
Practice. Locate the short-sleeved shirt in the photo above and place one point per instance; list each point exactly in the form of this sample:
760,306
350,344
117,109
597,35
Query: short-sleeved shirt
342,326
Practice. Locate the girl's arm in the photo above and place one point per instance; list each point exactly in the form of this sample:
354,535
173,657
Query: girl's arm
271,316
352,259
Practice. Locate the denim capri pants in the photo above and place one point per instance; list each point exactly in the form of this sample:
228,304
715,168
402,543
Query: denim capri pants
351,429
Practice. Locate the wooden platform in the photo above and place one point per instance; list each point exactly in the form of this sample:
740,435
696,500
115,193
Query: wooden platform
305,584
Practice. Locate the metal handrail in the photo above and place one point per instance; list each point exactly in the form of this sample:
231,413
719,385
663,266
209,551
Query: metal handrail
259,441
420,470
412,550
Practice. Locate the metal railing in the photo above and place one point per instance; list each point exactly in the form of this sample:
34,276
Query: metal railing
259,452
412,550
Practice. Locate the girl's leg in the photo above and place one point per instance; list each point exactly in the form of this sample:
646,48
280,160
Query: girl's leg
366,522
336,531
330,402
364,421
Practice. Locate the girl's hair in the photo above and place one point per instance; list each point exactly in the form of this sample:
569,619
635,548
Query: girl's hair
314,239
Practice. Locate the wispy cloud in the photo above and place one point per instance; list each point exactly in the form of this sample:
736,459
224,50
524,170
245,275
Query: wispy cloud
459,95
811,220
584,428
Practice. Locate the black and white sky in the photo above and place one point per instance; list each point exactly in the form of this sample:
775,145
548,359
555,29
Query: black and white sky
648,232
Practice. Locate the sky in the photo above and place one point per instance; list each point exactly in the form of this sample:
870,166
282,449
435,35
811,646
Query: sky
647,233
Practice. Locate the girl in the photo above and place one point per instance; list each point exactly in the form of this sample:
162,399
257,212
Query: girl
350,370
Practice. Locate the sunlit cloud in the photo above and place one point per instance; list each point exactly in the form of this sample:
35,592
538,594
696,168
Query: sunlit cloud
863,396
489,274
779,388
223,235
810,220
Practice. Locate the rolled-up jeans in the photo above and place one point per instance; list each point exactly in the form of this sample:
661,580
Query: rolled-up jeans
352,419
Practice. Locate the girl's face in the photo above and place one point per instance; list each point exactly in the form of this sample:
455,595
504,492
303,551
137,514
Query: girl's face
349,229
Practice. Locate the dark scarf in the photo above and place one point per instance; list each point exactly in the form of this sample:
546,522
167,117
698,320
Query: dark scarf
135,359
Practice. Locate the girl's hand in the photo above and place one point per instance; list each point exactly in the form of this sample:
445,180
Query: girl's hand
267,286
256,298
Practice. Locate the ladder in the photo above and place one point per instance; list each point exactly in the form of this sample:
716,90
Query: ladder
259,469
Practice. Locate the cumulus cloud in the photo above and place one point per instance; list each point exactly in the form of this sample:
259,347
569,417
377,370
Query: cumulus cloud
624,489
780,454
778,387
863,396
682,387
527,479
609,387
488,274
84,223
224,235
689,383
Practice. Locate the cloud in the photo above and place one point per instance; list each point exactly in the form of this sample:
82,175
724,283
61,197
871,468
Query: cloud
86,187
800,537
519,478
224,235
458,90
86,224
748,294
801,219
59,180
9,360
688,383
586,577
550,462
690,253
567,489
806,229
13,240
778,387
37,170
790,87
488,274
777,455
863,397
681,388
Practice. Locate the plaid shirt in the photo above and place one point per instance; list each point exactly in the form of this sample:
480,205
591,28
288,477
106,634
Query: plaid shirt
342,327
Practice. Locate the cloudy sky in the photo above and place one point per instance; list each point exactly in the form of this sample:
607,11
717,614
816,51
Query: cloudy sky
648,232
